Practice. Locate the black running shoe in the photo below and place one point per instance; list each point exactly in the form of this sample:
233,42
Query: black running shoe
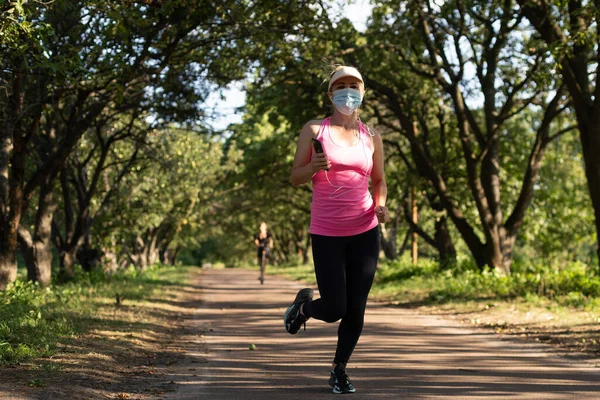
292,318
339,380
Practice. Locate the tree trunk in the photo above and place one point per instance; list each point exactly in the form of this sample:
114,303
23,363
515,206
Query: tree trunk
168,256
441,240
8,267
589,134
507,250
302,244
499,251
590,142
89,257
139,256
404,246
38,258
151,250
37,249
11,181
415,220
8,250
109,260
67,264
299,243
444,244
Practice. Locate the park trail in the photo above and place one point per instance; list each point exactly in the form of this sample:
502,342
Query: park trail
401,354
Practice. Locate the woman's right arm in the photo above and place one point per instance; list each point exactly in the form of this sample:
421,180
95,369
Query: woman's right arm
304,168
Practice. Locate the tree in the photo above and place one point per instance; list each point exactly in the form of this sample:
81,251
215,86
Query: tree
165,203
88,181
571,32
24,60
439,45
162,58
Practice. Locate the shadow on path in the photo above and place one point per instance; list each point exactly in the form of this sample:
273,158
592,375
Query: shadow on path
401,355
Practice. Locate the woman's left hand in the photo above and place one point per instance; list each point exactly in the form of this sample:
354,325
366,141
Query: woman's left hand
382,213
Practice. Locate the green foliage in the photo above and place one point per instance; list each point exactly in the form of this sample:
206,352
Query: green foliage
571,284
82,68
560,225
169,196
23,35
28,328
35,383
288,90
401,270
33,320
153,65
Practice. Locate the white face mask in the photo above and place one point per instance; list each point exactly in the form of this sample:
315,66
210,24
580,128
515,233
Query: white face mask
347,100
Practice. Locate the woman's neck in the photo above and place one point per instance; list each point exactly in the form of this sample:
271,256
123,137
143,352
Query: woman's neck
345,121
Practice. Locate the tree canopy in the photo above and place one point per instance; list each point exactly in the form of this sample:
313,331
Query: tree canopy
108,157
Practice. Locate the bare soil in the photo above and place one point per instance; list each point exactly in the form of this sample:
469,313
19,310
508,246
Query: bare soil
572,333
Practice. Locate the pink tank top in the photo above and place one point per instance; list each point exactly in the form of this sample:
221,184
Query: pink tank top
342,204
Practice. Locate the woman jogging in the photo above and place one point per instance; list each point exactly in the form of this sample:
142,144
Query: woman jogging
264,242
344,217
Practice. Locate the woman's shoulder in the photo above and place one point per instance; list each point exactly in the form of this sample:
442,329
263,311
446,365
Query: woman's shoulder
314,122
372,134
311,128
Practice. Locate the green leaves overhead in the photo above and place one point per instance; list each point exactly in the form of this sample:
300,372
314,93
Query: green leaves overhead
474,79
462,93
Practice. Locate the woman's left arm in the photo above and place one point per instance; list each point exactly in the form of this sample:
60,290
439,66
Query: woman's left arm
378,179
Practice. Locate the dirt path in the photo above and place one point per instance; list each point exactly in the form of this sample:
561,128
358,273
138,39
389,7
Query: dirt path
192,342
400,355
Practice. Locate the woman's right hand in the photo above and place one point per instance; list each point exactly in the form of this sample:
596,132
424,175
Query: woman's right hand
319,161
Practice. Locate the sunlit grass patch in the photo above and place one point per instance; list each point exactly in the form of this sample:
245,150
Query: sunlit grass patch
401,282
34,321
302,272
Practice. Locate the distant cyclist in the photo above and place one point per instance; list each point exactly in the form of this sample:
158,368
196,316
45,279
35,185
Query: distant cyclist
264,242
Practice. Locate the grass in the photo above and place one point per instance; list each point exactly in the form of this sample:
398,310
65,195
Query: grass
562,290
34,321
573,285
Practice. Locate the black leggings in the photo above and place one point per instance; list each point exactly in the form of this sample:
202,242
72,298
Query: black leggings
259,252
345,268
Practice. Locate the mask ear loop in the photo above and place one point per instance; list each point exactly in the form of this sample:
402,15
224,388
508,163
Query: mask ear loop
365,176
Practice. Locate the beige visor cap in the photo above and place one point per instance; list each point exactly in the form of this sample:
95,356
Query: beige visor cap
345,71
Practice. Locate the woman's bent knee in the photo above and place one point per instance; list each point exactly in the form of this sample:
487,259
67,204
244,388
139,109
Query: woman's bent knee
332,318
334,314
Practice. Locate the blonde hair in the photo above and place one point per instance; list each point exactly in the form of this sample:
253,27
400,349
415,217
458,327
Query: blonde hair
335,68
330,69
